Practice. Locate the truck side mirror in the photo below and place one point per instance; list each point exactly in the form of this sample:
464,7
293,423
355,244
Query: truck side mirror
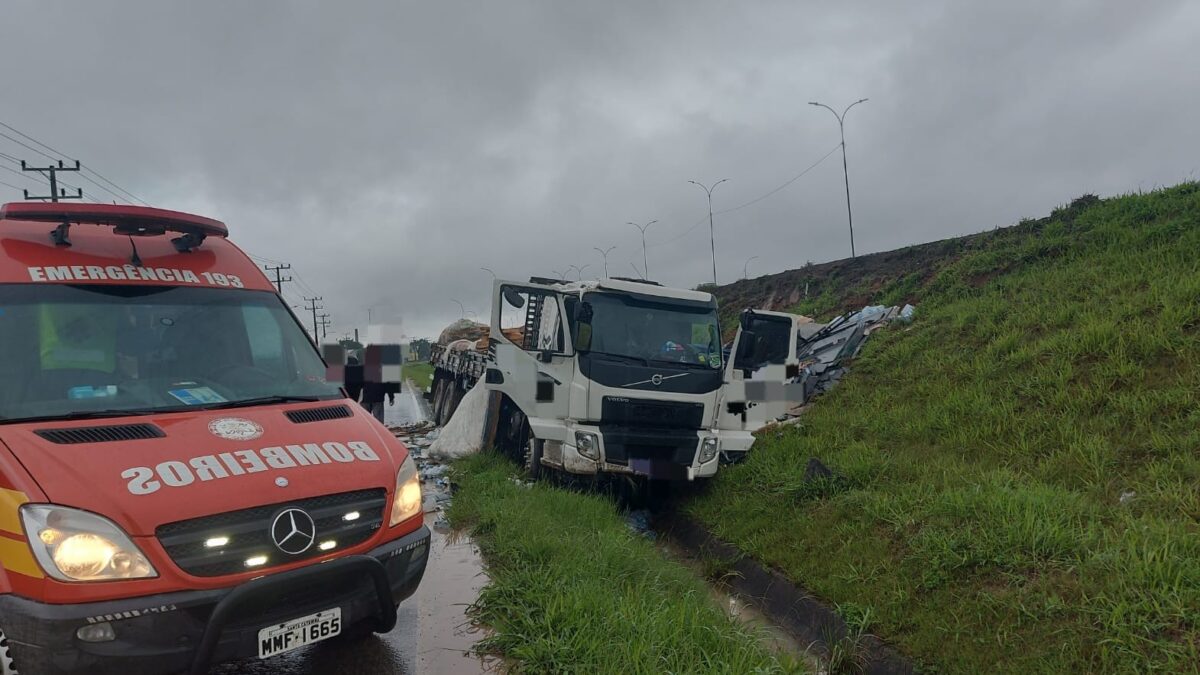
747,345
512,297
583,326
746,319
545,356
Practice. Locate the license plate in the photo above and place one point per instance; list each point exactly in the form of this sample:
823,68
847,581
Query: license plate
284,637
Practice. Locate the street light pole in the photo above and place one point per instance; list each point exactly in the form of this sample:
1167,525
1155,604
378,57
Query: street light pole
845,171
578,270
489,271
604,252
745,273
461,309
645,265
712,237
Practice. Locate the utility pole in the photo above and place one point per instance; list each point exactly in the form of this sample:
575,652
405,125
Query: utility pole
643,228
278,269
604,252
845,171
325,324
312,306
56,193
712,237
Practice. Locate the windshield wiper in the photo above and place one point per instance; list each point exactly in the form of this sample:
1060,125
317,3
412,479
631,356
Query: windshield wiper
261,400
92,414
685,364
625,357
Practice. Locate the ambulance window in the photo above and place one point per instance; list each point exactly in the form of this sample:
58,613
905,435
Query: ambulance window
266,339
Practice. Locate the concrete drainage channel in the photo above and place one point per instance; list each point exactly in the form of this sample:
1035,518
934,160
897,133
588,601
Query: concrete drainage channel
790,619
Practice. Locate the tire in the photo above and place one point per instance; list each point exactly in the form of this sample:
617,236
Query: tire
533,458
7,667
439,402
456,397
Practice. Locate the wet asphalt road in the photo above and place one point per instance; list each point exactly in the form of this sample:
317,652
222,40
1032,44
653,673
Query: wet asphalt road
432,633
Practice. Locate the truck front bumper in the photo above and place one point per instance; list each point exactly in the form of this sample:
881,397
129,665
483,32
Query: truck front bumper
666,454
189,630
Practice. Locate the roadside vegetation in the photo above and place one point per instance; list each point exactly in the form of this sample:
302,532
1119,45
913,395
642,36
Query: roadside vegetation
573,589
420,372
1017,474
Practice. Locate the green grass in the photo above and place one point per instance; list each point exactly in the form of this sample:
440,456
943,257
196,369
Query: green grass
420,372
574,590
984,451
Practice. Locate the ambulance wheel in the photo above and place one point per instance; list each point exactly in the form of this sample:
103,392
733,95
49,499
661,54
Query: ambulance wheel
7,667
533,458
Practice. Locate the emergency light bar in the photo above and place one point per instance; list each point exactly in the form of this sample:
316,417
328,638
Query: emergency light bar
124,219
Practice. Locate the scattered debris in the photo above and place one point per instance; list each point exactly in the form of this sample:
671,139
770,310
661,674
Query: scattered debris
640,522
816,470
1127,497
824,350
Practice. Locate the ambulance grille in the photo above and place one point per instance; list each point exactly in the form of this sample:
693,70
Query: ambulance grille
120,432
246,534
335,412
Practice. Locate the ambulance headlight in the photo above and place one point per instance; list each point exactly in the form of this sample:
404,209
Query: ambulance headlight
74,545
708,449
406,500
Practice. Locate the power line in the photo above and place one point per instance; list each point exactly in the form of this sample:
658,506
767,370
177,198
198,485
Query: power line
756,200
65,155
29,147
12,186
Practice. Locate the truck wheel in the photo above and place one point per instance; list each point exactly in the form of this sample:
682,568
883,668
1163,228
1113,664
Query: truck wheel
456,397
533,458
443,415
7,667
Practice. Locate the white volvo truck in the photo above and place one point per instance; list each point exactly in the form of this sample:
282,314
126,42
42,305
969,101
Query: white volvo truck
613,377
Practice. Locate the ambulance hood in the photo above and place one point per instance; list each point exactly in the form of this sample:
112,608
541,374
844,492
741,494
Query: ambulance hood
205,462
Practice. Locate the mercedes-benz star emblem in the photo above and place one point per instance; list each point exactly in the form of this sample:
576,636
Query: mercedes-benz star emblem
293,531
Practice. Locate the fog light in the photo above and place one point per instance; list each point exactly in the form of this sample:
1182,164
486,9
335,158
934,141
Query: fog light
708,450
216,542
256,561
353,515
326,545
587,444
97,632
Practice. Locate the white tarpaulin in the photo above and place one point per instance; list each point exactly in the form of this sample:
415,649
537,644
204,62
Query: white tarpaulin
463,434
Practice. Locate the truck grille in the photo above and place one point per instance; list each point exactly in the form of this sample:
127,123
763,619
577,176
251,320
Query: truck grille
248,533
640,412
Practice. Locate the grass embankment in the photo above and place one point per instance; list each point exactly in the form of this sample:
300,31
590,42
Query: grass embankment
420,372
1019,484
574,590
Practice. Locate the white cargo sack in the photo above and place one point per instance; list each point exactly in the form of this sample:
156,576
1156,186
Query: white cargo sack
463,434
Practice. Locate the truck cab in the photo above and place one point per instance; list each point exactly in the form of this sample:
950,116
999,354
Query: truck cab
180,484
617,377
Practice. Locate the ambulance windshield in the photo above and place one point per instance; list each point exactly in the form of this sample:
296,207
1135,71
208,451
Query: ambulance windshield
69,350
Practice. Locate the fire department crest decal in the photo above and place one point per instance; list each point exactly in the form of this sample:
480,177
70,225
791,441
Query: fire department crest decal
235,429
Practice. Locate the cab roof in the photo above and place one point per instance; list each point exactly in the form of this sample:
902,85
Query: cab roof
119,244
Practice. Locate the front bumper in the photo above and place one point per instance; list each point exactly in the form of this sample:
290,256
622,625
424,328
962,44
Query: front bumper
665,454
188,630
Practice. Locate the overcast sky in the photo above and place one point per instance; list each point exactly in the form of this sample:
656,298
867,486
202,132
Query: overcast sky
388,150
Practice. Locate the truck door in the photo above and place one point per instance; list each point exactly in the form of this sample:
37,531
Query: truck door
533,354
758,385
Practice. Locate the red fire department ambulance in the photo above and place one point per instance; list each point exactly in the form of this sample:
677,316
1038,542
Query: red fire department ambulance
179,484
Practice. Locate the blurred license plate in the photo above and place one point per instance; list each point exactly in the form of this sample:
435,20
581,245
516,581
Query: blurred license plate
284,637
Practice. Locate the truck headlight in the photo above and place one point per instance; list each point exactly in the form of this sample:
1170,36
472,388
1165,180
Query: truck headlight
588,444
74,545
708,449
406,500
